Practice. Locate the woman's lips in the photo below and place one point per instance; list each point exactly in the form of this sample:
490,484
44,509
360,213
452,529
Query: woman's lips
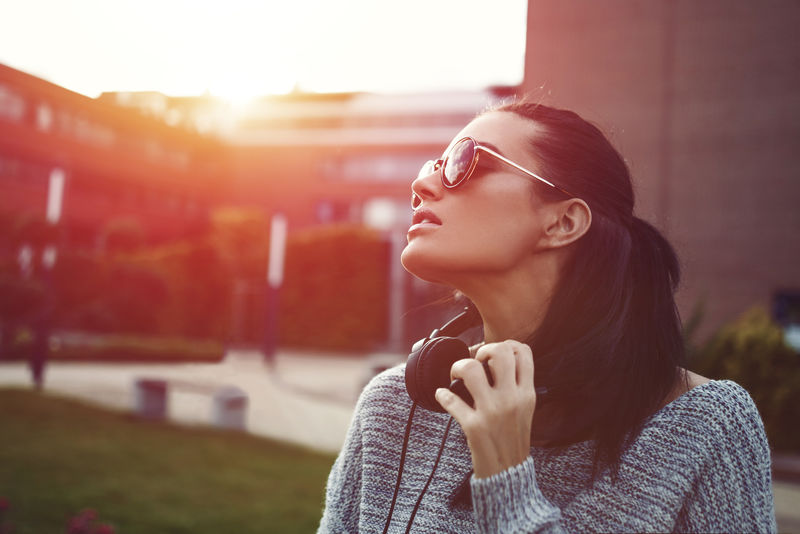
424,215
423,218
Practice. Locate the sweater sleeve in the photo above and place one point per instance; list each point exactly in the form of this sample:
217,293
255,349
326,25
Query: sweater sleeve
343,490
701,467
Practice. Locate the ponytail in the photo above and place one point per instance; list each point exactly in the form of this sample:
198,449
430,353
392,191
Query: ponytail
654,274
609,348
652,254
652,324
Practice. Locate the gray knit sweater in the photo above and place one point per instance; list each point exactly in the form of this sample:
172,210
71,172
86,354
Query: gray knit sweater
701,464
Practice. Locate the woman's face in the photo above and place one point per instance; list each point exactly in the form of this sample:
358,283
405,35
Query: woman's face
488,225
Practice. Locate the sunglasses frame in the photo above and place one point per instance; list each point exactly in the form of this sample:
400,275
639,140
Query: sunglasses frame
440,164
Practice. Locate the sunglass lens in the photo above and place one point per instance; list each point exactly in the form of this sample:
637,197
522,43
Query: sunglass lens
458,162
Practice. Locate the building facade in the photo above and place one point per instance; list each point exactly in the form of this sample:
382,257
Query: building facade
107,163
168,162
701,99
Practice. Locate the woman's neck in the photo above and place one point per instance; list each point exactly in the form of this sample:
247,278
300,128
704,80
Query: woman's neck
513,305
504,321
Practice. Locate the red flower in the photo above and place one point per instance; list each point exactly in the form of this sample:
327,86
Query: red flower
103,529
88,514
80,523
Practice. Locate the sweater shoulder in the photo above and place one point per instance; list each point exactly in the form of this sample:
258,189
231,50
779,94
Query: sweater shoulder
385,394
732,480
718,406
719,414
386,385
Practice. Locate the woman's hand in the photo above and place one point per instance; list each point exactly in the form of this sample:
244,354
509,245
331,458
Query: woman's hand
498,428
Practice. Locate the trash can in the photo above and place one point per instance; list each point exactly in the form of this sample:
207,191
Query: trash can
151,398
230,408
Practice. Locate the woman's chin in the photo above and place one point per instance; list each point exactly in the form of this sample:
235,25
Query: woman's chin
421,265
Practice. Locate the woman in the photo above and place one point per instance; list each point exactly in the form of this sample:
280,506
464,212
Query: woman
529,214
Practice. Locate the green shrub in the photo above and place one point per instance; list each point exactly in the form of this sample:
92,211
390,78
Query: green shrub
334,294
113,348
752,352
20,298
336,289
124,234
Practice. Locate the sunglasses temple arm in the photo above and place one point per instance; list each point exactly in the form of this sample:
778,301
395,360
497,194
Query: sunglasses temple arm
523,169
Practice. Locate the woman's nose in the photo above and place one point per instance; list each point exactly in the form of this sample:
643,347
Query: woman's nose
426,187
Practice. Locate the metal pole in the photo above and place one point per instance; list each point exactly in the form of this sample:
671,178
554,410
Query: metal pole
277,252
397,242
44,322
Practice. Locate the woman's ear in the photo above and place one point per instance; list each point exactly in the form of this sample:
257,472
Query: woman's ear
570,221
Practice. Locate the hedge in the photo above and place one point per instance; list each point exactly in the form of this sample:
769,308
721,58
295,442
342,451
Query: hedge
336,289
334,295
121,349
752,352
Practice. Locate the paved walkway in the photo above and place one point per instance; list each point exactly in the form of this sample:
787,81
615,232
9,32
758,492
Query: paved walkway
304,398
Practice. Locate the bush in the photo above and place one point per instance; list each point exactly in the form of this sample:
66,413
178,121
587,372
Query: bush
336,289
334,295
79,282
120,349
135,292
752,352
200,291
123,235
117,349
179,289
21,298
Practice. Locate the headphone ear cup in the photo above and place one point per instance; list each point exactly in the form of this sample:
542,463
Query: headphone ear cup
428,369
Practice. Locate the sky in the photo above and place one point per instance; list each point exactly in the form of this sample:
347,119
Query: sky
238,49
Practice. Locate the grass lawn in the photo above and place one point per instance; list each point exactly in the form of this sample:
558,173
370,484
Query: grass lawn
58,457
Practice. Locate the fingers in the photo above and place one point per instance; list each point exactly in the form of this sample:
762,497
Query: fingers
525,368
453,404
472,373
511,363
498,427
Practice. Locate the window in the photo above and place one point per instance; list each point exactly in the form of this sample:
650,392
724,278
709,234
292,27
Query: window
786,310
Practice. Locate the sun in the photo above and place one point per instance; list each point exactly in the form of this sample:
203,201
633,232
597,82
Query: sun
239,89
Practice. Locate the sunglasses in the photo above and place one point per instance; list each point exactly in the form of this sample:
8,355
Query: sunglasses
460,162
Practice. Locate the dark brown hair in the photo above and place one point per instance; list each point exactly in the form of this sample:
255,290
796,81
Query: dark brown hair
610,347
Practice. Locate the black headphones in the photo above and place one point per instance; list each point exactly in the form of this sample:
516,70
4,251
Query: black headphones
428,365
427,369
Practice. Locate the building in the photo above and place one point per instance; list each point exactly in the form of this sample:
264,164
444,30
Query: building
324,158
109,164
333,158
701,99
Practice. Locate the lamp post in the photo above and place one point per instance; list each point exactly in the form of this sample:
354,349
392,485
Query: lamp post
277,254
48,256
392,219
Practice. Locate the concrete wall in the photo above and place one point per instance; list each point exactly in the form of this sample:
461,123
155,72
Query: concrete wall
701,98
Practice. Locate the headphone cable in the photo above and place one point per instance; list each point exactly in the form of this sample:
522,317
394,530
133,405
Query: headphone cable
402,465
435,465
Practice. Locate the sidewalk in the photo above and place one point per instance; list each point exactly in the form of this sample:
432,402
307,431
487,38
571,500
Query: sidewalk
305,398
